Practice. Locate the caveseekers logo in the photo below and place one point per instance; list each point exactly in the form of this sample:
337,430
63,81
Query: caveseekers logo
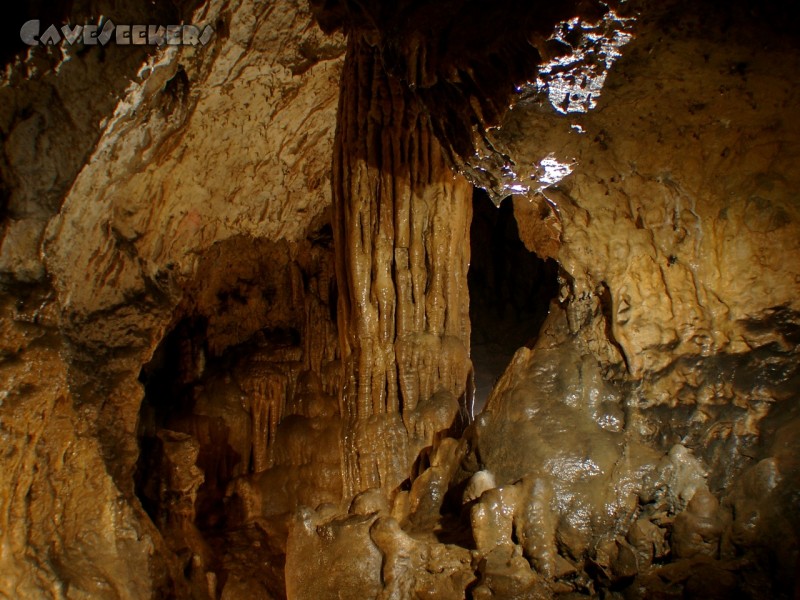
124,35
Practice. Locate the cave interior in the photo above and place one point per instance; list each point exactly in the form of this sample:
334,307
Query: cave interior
403,300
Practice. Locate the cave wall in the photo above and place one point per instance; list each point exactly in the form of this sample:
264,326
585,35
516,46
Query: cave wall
676,221
643,417
193,181
142,168
680,194
157,225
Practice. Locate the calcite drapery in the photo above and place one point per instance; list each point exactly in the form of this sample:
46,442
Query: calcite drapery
401,230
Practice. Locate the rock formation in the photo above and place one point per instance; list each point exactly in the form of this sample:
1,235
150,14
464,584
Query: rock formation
255,345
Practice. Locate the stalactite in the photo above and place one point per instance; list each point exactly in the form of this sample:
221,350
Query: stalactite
319,331
267,400
401,231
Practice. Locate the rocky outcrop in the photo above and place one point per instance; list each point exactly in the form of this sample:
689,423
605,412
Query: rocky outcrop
149,207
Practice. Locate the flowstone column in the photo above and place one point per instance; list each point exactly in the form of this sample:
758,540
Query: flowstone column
401,231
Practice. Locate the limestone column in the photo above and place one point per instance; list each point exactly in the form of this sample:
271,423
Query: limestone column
401,231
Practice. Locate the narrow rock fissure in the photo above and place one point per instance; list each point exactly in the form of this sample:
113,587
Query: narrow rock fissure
172,429
510,291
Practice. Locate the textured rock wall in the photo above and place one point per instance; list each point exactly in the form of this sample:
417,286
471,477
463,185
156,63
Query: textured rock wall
401,225
66,527
662,185
676,222
182,271
143,168
680,194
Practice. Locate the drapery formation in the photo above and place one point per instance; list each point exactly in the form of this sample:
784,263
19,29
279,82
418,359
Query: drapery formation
401,231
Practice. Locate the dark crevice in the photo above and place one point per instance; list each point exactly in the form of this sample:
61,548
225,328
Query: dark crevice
510,291
170,380
606,306
181,373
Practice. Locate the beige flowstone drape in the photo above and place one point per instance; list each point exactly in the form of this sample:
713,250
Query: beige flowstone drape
401,230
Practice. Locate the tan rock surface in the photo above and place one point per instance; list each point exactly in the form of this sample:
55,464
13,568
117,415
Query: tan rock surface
208,144
219,324
401,230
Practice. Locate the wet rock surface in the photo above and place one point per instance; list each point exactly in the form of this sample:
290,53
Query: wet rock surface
238,353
